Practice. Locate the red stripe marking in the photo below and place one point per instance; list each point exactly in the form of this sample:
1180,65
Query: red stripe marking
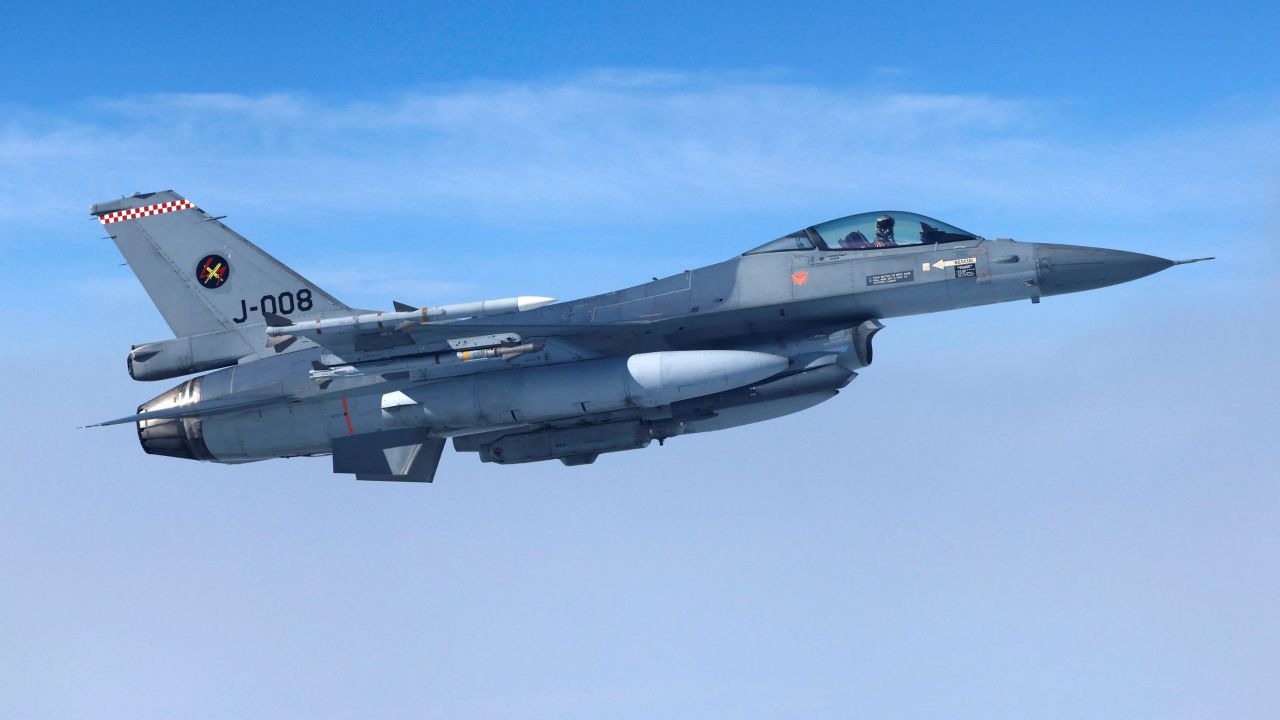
346,413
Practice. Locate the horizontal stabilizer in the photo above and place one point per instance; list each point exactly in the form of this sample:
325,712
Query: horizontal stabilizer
208,407
407,455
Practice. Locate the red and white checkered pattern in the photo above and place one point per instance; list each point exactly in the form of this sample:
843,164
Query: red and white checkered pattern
147,211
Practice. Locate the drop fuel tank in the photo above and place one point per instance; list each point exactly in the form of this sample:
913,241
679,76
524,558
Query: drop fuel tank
552,392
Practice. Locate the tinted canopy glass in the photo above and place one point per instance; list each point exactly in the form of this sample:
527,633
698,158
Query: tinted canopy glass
886,229
868,230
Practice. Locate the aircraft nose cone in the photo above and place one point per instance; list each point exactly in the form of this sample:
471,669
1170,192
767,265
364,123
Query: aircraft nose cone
1072,268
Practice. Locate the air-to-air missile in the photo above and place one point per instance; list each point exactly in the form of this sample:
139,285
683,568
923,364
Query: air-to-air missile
404,317
778,329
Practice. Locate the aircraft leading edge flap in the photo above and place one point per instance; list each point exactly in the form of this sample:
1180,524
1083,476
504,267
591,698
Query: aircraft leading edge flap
406,455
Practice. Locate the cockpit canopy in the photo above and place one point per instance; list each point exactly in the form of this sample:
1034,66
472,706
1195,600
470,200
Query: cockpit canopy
868,230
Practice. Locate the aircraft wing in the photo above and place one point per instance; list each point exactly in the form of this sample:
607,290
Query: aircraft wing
375,332
603,320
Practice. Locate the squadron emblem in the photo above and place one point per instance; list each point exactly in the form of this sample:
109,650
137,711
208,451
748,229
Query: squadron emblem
212,271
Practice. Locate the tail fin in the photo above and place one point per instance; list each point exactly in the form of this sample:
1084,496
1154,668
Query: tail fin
201,275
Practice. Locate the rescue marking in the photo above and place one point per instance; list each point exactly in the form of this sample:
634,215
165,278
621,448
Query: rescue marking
947,263
800,277
146,211
346,413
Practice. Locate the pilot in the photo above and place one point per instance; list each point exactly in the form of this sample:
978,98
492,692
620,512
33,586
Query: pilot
884,232
855,240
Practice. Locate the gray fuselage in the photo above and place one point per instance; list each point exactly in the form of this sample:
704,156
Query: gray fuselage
818,308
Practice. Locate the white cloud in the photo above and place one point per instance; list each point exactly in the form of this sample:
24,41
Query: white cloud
371,277
621,143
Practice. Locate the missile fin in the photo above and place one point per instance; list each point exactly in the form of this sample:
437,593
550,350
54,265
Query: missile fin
280,343
274,320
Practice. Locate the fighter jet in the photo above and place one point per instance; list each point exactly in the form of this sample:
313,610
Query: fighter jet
292,371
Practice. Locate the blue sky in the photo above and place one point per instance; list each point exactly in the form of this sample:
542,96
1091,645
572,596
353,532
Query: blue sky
1065,510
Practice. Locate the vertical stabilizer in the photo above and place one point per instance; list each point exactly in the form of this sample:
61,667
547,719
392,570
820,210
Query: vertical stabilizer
202,276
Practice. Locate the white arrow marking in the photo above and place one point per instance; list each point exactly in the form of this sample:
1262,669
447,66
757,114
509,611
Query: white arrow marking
949,263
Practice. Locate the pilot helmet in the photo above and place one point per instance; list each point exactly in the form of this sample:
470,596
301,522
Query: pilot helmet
884,222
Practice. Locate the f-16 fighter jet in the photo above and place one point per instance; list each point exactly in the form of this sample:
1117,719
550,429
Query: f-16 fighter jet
290,370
